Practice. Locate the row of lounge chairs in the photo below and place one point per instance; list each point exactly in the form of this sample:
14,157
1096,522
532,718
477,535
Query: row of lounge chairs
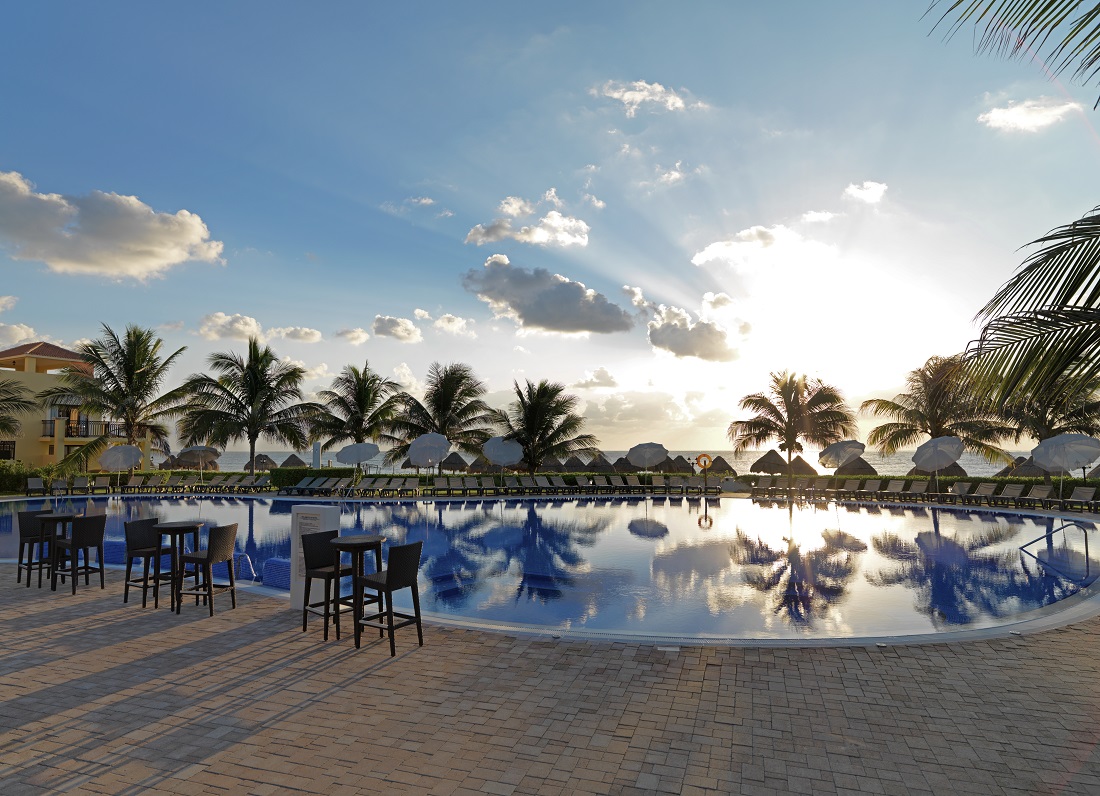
1038,496
401,486
155,484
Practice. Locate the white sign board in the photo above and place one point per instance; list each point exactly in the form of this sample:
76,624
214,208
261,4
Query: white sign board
306,518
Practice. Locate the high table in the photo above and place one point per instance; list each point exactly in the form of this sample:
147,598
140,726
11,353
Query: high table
58,519
176,531
357,545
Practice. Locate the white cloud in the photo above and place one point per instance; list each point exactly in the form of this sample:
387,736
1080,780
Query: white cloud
716,301
422,315
762,249
868,191
171,326
452,324
553,229
634,95
421,201
403,375
7,302
551,197
445,213
402,208
356,336
818,216
319,371
520,349
1030,116
219,326
599,204
538,299
674,330
516,207
600,377
398,328
105,234
16,333
300,334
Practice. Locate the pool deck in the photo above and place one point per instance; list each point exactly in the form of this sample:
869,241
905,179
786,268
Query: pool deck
101,697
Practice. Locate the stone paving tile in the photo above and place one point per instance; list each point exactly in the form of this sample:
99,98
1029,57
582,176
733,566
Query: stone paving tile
98,697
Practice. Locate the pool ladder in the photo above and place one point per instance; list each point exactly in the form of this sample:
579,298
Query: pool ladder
1064,571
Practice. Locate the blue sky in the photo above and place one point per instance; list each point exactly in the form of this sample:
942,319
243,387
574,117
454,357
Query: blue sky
657,206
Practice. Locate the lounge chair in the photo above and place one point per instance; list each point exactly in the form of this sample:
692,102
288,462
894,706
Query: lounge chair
618,485
869,490
263,484
846,492
365,486
381,486
761,487
188,484
980,495
155,483
59,486
528,485
801,487
489,485
917,491
470,486
658,486
229,484
544,485
293,490
322,488
1080,499
80,486
892,490
172,484
779,488
559,486
101,482
1036,497
675,485
216,481
440,486
693,485
818,489
634,484
133,485
1008,497
410,486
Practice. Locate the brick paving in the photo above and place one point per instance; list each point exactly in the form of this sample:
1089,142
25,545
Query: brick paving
101,697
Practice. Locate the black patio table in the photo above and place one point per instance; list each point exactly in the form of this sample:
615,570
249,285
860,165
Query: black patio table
176,532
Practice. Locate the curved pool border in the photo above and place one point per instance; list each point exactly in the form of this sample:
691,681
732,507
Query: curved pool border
1082,606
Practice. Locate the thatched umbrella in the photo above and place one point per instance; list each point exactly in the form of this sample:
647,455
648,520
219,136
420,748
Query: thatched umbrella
171,463
1004,472
681,465
952,470
573,464
262,462
857,466
293,461
800,466
623,466
480,465
1028,469
599,464
550,465
454,462
770,462
720,465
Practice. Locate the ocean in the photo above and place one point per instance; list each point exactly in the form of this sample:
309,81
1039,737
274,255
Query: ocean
898,464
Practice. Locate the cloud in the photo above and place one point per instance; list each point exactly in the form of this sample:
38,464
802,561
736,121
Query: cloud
716,301
356,336
171,326
516,207
452,324
1030,116
104,234
634,95
551,197
635,415
760,249
399,328
219,326
411,202
7,302
319,371
868,191
16,333
300,334
599,204
673,330
538,299
445,213
421,201
818,216
600,377
422,315
403,375
553,229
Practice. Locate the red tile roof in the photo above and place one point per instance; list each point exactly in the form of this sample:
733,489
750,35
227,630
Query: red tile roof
45,350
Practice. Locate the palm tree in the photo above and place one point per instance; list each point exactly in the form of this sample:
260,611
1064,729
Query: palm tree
257,396
15,400
794,409
358,407
1043,417
121,380
939,401
452,406
543,420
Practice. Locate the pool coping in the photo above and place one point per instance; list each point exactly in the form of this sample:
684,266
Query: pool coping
1079,607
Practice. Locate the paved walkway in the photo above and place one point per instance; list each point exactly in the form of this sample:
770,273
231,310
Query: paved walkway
98,697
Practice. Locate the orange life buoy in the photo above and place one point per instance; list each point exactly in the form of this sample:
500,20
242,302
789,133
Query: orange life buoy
705,522
703,460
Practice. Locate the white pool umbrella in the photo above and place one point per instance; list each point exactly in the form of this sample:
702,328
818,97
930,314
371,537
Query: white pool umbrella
504,452
646,454
357,453
120,457
840,453
1066,452
428,450
938,453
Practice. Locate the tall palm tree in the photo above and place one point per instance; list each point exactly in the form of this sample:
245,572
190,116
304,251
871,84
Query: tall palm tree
794,409
121,379
247,398
1043,417
358,407
15,400
452,406
543,419
939,401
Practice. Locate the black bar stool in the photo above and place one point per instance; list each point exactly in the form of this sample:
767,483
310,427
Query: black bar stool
317,552
400,573
87,534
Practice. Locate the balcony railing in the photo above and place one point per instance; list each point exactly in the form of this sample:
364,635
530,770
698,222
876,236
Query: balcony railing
87,429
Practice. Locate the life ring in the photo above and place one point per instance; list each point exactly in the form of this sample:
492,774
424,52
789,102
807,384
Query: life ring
705,522
703,460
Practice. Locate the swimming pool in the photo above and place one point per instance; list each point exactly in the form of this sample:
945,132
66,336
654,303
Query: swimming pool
674,567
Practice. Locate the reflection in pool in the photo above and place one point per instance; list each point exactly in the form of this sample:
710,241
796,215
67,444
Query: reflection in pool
728,568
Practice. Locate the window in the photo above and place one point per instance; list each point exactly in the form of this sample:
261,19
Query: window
7,449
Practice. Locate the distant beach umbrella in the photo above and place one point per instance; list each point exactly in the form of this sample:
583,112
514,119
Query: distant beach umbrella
938,453
599,464
857,466
1027,468
681,465
647,454
428,450
573,464
504,452
1066,452
770,462
953,470
720,465
840,453
550,465
293,461
120,457
647,527
1006,471
623,465
262,462
800,466
454,462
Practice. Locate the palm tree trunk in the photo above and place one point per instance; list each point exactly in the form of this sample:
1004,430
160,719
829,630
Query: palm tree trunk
252,456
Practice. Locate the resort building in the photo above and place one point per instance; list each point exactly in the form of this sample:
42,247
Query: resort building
50,433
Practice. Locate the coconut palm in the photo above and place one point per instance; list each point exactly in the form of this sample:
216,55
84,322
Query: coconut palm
15,400
247,398
939,401
358,407
1043,417
120,378
794,409
544,421
452,406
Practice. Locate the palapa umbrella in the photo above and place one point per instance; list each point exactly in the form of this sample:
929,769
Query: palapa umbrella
720,465
550,465
800,466
840,453
201,456
857,466
770,462
1007,470
646,454
681,465
454,462
623,465
1027,468
293,461
261,462
952,470
573,464
429,450
599,464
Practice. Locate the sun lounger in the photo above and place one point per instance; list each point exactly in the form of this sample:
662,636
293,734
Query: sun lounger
953,494
293,490
544,485
559,486
1035,497
80,486
212,485
675,485
134,484
980,495
618,485
35,486
470,486
512,486
59,486
779,488
869,489
634,485
761,487
188,484
892,490
917,491
817,490
323,488
382,486
693,485
101,483
244,484
489,485
1081,499
1008,496
155,483
801,487
848,491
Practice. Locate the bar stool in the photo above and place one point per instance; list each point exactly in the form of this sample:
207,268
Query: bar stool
219,550
31,541
317,552
87,533
144,541
400,573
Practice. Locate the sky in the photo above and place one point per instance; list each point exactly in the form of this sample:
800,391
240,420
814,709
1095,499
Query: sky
654,205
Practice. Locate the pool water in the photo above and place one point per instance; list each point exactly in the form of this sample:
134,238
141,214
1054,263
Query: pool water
720,568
